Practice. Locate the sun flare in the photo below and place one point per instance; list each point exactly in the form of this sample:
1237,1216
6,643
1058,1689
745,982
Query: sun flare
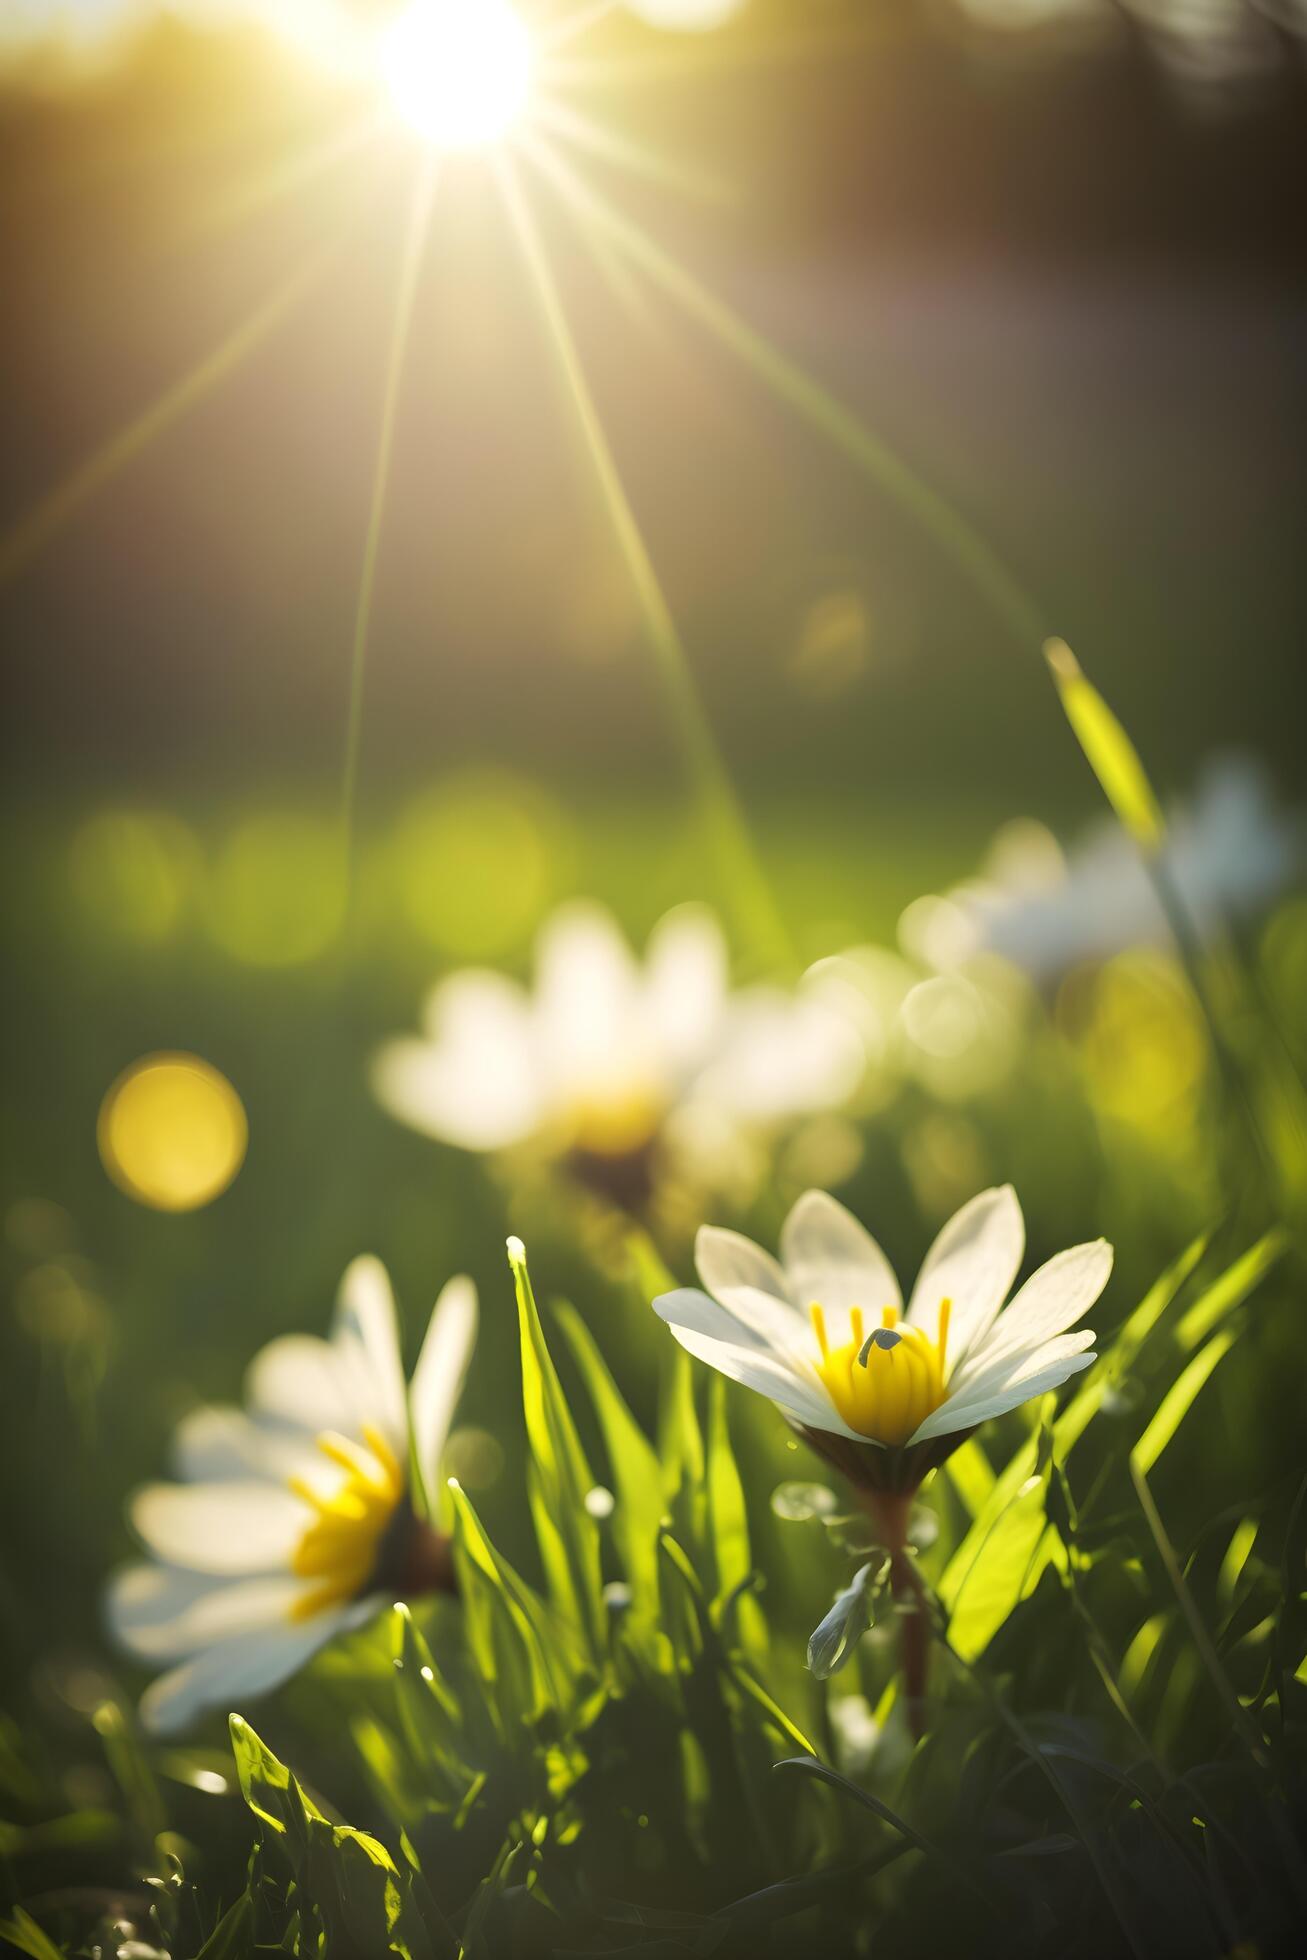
459,72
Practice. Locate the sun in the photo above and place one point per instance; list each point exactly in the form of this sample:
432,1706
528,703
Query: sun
459,71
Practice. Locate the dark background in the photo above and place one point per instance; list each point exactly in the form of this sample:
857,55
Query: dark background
1063,280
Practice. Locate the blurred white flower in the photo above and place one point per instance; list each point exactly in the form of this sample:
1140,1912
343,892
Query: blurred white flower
294,1519
605,1056
1229,852
886,1395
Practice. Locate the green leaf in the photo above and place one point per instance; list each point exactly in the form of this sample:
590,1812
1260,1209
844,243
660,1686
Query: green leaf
268,1786
560,1481
1178,1400
514,1644
1108,749
1230,1290
23,1932
233,1936
348,1878
429,1716
729,1525
633,1464
1007,1546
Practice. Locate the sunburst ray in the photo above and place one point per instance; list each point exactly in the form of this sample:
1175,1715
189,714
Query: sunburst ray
742,875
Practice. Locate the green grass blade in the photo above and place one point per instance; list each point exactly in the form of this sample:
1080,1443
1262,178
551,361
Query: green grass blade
1178,1400
633,1464
1108,749
567,1534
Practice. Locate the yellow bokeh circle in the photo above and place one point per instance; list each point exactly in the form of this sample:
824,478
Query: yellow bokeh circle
172,1132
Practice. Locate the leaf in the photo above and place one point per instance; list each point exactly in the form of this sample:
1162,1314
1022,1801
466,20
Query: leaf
633,1464
23,1932
729,1526
568,1536
832,1642
1108,749
810,1766
1230,1290
969,1472
348,1877
1005,1549
509,1634
1178,1400
268,1786
233,1936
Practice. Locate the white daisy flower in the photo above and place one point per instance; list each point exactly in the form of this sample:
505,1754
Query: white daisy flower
599,1057
1229,853
294,1519
886,1393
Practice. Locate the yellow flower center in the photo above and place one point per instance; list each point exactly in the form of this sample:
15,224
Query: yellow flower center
615,1122
885,1384
341,1546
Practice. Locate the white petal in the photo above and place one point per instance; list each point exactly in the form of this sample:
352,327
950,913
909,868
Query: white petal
749,1317
688,1307
973,1262
161,1613
751,1285
961,1413
1008,1370
441,1368
302,1380
475,1081
782,1055
231,1527
1052,1299
830,1258
234,1670
589,1017
727,1259
685,986
801,1398
214,1444
365,1330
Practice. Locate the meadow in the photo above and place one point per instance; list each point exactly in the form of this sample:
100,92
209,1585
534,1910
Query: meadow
698,894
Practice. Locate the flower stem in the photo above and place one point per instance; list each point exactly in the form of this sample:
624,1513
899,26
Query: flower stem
889,1510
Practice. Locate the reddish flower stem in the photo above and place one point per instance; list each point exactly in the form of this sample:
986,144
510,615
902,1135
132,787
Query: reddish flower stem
889,1510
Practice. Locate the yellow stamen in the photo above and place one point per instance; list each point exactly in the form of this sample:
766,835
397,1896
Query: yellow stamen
341,1544
818,1319
886,1385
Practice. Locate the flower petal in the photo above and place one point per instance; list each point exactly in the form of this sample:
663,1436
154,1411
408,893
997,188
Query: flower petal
302,1380
215,1444
751,1285
441,1368
229,1527
688,1307
475,1081
364,1330
963,1413
710,1332
161,1613
589,1017
233,1670
782,1055
973,1262
829,1257
685,986
1052,1299
803,1402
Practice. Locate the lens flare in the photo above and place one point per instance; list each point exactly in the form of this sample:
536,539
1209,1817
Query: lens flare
172,1132
459,71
